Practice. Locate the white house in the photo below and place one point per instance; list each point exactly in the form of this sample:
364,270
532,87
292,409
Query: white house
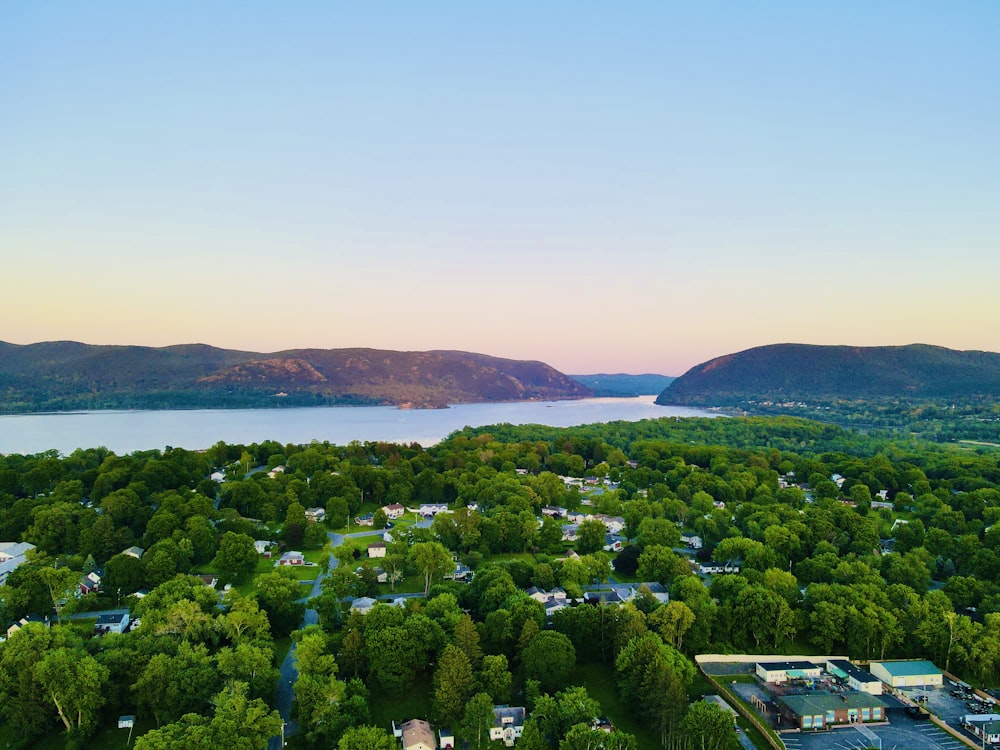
134,551
394,511
12,554
378,549
263,547
112,623
315,514
363,605
508,724
432,509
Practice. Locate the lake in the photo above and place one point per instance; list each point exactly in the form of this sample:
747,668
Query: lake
127,431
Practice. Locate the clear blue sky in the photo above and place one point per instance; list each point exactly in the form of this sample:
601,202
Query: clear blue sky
633,186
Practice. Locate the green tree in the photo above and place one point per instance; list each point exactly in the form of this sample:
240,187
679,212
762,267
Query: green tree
550,659
495,677
583,737
432,560
477,721
590,536
236,557
278,593
74,682
709,727
366,738
454,684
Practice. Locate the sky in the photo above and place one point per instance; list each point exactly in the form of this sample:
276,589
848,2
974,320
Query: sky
606,187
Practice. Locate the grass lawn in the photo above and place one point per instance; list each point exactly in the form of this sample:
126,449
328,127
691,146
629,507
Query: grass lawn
415,703
602,686
108,737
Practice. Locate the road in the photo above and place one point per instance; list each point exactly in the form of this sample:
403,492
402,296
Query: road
285,693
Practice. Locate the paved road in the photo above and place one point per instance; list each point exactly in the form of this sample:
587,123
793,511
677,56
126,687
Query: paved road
285,693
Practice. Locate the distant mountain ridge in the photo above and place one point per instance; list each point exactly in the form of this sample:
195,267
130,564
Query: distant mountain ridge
67,375
624,385
811,373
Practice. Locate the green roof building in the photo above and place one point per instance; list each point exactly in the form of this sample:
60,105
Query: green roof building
826,710
907,674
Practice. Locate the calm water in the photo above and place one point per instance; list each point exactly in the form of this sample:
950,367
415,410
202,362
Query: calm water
127,431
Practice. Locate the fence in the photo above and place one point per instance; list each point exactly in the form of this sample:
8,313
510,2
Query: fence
734,700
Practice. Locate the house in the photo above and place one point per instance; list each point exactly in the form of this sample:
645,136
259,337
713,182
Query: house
855,677
554,511
416,735
612,543
614,524
446,738
209,580
985,726
655,588
133,551
380,575
315,514
363,605
461,572
365,520
218,476
904,674
378,549
783,671
114,623
432,509
508,723
825,710
90,584
692,540
263,547
291,558
394,511
12,554
569,532
275,471
24,621
603,597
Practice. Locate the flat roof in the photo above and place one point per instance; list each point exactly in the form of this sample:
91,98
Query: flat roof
909,668
820,703
854,671
775,666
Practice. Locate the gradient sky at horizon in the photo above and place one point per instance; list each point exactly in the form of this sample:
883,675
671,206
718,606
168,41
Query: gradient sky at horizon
607,187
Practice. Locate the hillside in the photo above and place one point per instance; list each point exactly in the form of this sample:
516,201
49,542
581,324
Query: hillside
623,385
66,375
783,373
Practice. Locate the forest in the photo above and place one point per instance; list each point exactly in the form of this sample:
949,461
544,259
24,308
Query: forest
874,545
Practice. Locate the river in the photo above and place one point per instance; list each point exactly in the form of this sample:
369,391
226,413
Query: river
128,431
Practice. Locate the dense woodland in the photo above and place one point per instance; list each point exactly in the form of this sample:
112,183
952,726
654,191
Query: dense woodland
816,575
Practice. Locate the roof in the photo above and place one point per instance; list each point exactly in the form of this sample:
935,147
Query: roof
851,670
820,703
909,668
416,731
111,619
784,666
15,549
505,714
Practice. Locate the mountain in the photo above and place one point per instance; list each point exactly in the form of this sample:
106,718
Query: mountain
783,373
623,385
64,375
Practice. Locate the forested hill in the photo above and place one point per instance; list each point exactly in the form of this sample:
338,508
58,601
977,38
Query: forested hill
64,375
788,372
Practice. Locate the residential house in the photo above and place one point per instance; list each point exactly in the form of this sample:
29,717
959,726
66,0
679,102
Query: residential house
292,558
432,509
569,532
114,623
315,514
446,738
614,524
90,584
365,520
612,543
555,511
12,555
275,471
416,735
508,724
461,572
209,580
134,551
631,591
394,511
218,476
378,549
24,621
603,597
380,575
263,547
363,605
692,540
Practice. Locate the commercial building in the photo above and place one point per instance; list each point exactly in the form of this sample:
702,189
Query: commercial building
826,710
854,677
783,671
907,674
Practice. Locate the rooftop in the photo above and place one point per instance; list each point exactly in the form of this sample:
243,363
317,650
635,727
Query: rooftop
909,668
820,703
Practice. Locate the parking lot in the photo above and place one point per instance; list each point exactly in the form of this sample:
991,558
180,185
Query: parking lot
901,733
